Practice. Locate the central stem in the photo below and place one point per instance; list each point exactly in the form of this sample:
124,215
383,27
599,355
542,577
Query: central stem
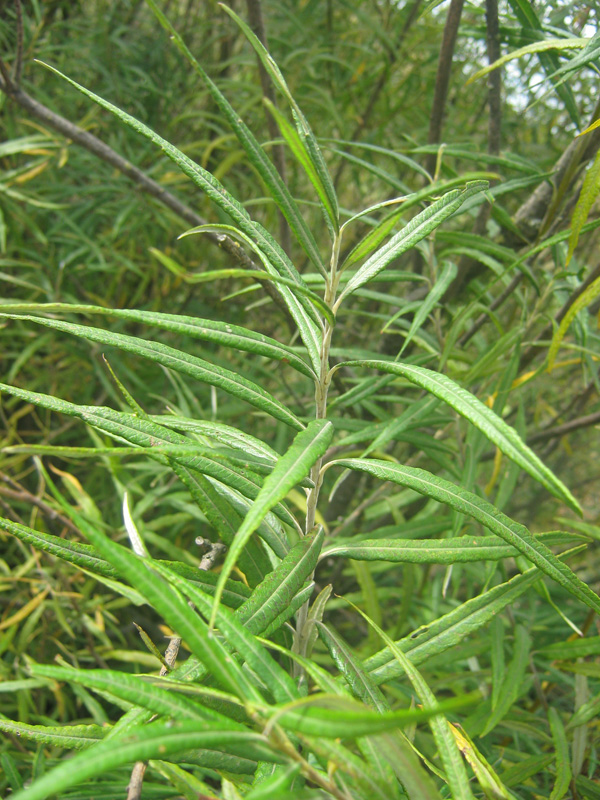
321,392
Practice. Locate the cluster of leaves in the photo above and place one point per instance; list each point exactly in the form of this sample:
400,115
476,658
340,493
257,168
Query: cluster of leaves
354,642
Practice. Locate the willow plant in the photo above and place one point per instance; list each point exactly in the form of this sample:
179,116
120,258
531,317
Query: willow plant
250,712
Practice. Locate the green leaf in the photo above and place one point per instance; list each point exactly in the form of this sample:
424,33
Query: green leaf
222,333
276,592
338,717
135,689
563,756
447,631
308,446
317,301
238,637
353,670
300,309
456,774
497,431
585,299
428,303
468,503
417,229
71,737
255,153
435,551
180,361
511,684
325,188
534,47
158,740
178,614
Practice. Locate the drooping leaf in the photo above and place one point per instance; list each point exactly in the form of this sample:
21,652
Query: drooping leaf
467,405
180,361
468,503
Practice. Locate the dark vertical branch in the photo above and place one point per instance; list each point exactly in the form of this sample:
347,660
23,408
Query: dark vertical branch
255,18
467,265
18,68
442,80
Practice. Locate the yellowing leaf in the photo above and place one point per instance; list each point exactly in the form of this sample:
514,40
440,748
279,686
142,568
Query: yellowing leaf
584,300
589,192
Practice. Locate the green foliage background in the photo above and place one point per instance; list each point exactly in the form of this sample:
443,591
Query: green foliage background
481,300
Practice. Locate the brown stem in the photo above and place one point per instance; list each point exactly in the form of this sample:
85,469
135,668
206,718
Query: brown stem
466,264
442,80
255,18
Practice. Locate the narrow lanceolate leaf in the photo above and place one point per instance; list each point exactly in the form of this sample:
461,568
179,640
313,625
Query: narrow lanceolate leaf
467,405
256,154
169,602
511,684
180,361
158,740
278,589
134,690
468,503
222,333
456,774
325,188
450,629
71,737
301,310
435,551
295,464
534,47
584,300
190,469
258,658
428,304
417,229
298,288
563,756
339,717
487,778
589,192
